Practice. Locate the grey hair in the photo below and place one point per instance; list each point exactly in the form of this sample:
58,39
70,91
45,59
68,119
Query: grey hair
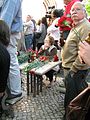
81,4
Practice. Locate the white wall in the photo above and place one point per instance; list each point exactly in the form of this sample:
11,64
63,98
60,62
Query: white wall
32,7
35,8
60,4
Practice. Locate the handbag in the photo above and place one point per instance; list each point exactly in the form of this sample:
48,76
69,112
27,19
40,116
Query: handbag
79,107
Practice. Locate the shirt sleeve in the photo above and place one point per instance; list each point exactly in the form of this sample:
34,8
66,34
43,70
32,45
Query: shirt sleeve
9,11
52,28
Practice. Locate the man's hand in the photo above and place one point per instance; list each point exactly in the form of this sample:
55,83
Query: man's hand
84,52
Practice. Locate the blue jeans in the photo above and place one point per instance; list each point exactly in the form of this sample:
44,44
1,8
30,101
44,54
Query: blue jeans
28,41
14,80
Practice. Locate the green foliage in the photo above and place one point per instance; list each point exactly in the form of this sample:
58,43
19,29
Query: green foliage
87,6
35,64
66,23
23,58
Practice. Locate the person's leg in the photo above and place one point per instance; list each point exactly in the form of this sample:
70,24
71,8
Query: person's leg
70,90
87,117
49,74
21,43
14,80
56,44
65,72
31,40
34,42
62,88
39,45
74,83
28,41
1,97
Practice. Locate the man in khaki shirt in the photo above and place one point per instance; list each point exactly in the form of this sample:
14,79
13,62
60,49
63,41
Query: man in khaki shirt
74,71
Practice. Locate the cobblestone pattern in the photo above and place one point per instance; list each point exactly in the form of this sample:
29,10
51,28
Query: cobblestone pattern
46,106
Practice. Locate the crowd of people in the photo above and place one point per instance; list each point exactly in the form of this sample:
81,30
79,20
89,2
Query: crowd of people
74,26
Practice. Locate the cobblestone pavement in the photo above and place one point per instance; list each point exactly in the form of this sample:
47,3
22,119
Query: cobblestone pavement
48,105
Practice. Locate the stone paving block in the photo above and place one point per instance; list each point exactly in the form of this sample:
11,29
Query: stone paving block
48,105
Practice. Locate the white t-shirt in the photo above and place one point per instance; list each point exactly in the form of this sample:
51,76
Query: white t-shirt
28,27
54,31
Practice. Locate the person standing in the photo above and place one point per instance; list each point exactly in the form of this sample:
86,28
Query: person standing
65,29
74,71
11,13
52,30
43,31
34,40
28,32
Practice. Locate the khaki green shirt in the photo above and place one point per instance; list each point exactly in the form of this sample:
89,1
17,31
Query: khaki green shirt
70,57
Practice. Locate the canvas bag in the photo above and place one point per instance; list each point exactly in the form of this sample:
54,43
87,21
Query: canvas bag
79,106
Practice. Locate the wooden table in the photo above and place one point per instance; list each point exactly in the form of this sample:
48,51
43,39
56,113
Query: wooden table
35,75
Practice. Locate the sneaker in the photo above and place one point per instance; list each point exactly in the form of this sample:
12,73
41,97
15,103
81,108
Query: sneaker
12,96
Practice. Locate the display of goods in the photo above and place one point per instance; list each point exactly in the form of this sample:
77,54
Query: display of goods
34,64
31,52
44,58
55,58
32,55
22,58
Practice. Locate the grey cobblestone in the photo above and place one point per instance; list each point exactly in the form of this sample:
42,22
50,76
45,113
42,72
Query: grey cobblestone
46,106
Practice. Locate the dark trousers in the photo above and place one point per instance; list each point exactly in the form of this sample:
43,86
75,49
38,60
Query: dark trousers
56,44
74,83
39,45
88,115
49,74
34,42
1,110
